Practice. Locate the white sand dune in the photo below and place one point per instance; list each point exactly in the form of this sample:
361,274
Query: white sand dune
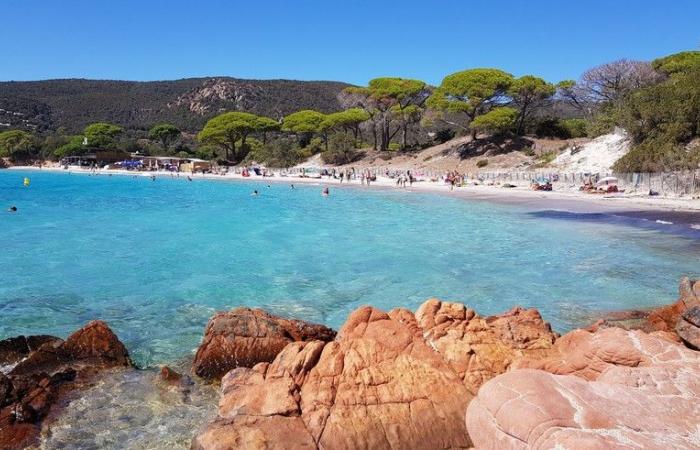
596,156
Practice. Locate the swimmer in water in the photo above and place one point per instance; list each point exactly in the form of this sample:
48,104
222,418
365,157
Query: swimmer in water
12,209
189,178
325,192
292,186
153,178
255,193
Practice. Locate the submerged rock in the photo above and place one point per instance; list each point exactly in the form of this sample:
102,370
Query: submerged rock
621,389
44,369
244,337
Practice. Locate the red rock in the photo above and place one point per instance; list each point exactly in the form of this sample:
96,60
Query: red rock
666,318
47,371
479,348
688,327
244,337
14,349
96,343
626,389
378,385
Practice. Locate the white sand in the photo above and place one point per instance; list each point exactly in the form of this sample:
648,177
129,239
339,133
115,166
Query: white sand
596,156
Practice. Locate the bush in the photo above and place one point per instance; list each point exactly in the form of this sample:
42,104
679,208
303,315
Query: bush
394,147
575,128
482,163
528,151
497,121
341,150
444,135
547,157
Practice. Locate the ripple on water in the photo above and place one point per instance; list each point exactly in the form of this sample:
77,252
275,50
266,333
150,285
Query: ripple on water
132,409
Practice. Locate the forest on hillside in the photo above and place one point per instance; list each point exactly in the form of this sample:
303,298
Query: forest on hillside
72,104
280,123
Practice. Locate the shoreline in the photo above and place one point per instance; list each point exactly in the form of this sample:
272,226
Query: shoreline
661,212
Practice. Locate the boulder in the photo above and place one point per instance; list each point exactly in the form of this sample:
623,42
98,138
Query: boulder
244,337
479,348
43,368
377,385
666,317
15,349
622,389
688,327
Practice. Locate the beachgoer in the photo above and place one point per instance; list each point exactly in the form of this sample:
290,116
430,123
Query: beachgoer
254,193
292,186
12,209
325,192
189,178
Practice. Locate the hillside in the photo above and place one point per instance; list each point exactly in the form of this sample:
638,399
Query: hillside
187,103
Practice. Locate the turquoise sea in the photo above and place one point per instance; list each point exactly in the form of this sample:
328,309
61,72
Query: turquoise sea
155,259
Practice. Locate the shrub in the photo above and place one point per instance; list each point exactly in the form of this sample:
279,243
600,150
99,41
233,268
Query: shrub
528,151
444,135
394,146
575,128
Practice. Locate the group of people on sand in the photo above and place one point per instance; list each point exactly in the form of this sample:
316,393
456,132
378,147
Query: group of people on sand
454,178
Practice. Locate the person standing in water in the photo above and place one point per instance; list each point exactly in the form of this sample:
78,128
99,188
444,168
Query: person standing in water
325,192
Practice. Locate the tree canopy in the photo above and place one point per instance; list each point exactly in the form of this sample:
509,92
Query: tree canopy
383,99
102,134
529,93
498,120
677,63
472,92
305,121
227,129
164,133
15,142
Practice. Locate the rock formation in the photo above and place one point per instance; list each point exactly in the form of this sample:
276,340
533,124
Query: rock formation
40,369
244,337
389,380
614,389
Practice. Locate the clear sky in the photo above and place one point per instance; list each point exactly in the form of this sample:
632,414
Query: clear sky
353,40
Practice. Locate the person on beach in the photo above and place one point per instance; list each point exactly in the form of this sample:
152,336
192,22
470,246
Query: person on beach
362,178
342,175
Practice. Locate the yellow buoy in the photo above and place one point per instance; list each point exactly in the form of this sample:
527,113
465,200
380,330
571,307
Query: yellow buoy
26,182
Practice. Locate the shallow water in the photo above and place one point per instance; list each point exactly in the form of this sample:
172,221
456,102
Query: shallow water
156,259
132,409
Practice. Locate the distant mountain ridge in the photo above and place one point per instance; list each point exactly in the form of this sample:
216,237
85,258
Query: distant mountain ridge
188,103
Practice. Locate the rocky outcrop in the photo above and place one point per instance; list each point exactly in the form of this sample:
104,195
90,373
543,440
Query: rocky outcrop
389,380
480,348
688,327
666,318
378,385
615,389
40,369
244,337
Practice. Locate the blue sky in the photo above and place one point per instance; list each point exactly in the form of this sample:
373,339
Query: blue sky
351,41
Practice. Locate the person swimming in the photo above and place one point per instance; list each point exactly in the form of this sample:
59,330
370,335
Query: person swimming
12,209
254,193
325,192
292,186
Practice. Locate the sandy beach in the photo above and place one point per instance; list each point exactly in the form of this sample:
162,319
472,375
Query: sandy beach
561,198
